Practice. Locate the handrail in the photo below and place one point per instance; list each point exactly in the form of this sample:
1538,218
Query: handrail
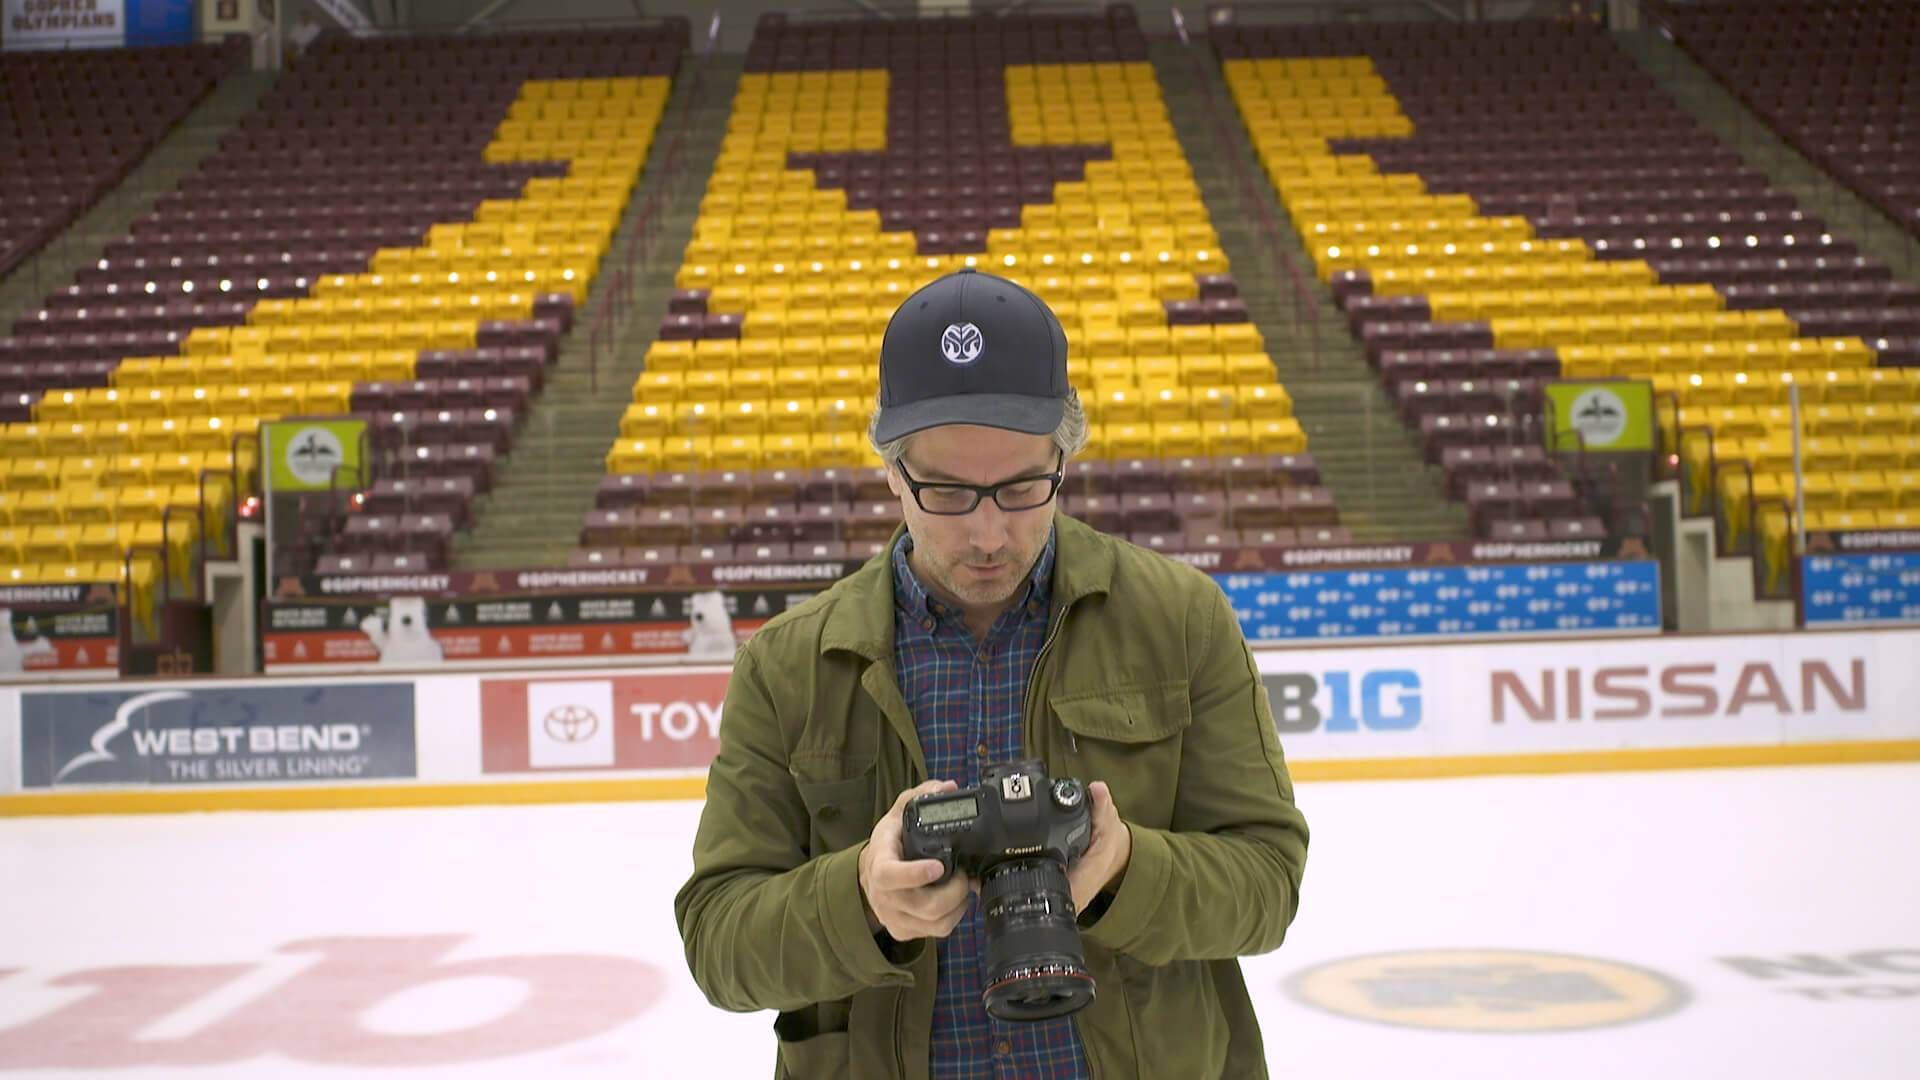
1688,507
1661,464
1278,253
871,10
1321,12
466,28
1758,561
609,310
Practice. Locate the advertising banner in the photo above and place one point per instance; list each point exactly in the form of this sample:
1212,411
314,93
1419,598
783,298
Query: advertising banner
416,632
258,735
342,623
1543,598
648,721
59,631
1861,589
1604,417
1368,703
1632,694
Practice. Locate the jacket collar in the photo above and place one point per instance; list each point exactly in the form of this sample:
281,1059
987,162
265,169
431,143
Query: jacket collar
862,621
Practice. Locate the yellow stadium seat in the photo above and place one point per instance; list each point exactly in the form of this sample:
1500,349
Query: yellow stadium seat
646,421
49,544
33,474
634,456
1864,491
37,507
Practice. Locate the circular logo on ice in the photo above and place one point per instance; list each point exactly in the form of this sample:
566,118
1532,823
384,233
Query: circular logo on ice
312,455
570,723
1488,990
962,343
1599,416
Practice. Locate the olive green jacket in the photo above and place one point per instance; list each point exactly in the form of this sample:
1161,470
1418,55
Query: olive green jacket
1144,682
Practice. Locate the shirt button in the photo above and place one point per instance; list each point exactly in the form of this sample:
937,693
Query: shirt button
981,749
1004,1048
927,625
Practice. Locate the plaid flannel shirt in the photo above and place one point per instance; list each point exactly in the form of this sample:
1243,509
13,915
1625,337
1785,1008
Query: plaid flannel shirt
967,700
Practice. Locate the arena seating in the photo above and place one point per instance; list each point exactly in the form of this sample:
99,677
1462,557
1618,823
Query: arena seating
1839,81
401,230
865,158
73,124
1493,204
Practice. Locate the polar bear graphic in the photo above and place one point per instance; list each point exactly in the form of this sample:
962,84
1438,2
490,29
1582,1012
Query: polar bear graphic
14,656
402,637
711,635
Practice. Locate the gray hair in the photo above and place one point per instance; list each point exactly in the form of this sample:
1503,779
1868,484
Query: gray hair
1070,437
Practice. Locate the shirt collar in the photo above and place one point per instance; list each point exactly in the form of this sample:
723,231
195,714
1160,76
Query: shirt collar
913,599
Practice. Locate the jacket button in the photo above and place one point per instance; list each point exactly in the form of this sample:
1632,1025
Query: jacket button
829,812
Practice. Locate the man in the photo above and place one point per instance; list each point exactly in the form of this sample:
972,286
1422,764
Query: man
994,629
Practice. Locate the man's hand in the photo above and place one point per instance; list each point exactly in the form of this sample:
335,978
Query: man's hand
901,897
1105,860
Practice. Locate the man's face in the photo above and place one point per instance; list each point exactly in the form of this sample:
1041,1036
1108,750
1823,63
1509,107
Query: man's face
980,560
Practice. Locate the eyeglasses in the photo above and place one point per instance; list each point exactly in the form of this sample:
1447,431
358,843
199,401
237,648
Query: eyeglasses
948,499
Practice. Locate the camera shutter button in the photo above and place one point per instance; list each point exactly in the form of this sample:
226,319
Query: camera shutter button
1067,793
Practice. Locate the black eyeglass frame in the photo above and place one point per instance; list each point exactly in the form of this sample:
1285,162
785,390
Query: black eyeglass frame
988,491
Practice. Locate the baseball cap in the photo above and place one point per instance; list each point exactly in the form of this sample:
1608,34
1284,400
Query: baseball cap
972,348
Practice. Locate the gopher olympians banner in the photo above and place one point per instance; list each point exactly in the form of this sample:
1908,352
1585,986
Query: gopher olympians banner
95,24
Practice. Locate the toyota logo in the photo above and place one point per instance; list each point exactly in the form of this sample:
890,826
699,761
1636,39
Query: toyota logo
570,723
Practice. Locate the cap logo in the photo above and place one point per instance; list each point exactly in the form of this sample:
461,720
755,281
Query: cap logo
962,343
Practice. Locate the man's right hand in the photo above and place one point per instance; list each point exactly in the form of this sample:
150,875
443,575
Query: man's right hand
901,897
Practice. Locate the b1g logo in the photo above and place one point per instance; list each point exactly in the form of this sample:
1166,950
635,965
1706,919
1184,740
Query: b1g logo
1337,701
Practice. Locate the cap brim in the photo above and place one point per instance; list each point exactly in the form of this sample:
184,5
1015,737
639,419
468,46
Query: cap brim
1009,412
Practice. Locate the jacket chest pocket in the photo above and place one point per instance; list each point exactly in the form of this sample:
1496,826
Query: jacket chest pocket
1130,738
840,812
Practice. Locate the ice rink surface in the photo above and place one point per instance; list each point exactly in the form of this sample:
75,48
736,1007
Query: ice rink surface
1749,923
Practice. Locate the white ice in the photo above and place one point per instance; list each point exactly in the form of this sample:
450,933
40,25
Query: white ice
553,941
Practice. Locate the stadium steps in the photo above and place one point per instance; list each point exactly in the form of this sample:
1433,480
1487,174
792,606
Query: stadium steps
1704,98
55,266
546,486
1367,457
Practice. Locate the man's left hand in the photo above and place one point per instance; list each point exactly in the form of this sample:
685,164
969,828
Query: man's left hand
1105,860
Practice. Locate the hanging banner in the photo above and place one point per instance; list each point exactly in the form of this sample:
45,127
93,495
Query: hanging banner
64,24
1603,417
306,455
96,24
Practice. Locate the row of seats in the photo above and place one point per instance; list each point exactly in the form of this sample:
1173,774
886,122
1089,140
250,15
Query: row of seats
1835,80
838,438
73,124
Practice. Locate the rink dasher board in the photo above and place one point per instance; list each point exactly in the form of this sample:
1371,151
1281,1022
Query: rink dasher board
639,732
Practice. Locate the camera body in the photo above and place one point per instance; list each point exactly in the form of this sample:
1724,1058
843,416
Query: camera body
1017,831
1015,812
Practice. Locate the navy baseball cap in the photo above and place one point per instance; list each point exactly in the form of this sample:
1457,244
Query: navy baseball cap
972,348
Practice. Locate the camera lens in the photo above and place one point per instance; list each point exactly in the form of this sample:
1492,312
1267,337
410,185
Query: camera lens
1036,969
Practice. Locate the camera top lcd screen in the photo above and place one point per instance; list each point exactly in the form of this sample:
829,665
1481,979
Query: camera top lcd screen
946,810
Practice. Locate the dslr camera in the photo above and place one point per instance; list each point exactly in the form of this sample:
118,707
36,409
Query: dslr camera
1017,831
